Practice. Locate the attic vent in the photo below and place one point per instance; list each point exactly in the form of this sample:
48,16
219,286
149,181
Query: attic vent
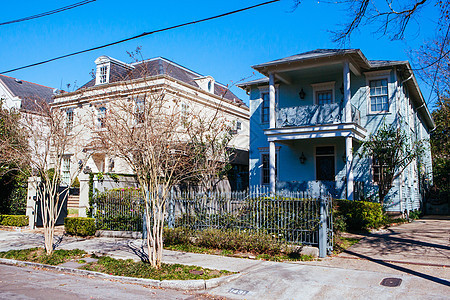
18,81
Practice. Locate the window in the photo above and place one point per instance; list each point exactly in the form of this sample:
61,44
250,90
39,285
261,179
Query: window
184,112
265,107
101,116
379,95
65,176
323,92
324,97
325,163
238,125
377,169
69,120
266,168
139,111
103,74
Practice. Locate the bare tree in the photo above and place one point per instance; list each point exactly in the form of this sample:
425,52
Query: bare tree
49,134
152,128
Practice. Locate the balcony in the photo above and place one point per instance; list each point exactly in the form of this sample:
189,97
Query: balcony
313,115
315,121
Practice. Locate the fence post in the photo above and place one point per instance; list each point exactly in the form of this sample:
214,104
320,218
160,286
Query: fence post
171,216
322,229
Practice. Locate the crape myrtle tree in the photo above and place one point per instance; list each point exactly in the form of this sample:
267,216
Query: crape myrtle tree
49,135
391,151
164,139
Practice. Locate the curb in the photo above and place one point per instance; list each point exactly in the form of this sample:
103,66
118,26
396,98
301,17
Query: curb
200,284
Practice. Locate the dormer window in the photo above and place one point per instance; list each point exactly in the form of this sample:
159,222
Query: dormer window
103,74
209,86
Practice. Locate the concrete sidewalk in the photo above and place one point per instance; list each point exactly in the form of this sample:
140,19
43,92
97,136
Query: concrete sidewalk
262,279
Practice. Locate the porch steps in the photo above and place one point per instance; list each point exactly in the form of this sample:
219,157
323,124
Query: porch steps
73,201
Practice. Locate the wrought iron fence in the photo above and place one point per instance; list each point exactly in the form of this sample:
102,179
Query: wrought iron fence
119,210
292,216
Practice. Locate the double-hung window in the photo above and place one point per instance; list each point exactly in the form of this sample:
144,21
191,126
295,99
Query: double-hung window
324,92
265,169
379,95
101,116
139,111
103,74
69,120
65,174
265,107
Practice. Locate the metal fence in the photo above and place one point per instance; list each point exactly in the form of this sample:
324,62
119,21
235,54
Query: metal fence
119,210
295,217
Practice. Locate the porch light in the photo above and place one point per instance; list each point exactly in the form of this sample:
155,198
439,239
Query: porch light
302,94
302,158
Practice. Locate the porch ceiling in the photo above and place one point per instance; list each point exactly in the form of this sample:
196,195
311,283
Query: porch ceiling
312,132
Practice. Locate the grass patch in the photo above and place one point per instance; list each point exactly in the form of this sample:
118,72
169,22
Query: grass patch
342,243
39,255
131,268
263,256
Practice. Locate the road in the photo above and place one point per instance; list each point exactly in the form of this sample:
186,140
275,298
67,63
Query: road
28,283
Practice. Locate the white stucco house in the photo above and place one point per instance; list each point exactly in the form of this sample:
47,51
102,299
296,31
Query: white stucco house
310,113
112,81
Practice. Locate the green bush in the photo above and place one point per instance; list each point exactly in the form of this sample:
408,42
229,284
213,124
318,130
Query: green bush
414,214
79,226
243,241
14,220
359,215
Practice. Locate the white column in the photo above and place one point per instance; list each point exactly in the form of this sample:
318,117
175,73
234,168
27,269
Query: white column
271,100
349,166
83,203
347,93
33,183
272,162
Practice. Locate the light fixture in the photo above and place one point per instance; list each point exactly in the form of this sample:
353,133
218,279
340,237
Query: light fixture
342,89
302,94
302,158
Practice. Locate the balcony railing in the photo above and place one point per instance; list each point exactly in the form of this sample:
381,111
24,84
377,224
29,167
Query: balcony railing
310,115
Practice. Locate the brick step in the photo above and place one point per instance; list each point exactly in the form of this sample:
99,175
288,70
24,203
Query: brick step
73,201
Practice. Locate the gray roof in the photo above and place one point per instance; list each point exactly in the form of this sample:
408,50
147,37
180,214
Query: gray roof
163,66
314,54
28,92
386,63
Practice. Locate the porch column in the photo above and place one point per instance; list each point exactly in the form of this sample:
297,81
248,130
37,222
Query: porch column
272,100
272,166
347,95
349,166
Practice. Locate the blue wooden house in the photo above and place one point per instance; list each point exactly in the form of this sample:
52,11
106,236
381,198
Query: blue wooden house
311,112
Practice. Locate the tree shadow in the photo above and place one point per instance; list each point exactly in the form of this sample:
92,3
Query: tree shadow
399,268
139,251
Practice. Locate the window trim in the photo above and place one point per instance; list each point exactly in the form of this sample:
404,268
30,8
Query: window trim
70,121
322,87
378,75
334,157
265,90
265,151
64,166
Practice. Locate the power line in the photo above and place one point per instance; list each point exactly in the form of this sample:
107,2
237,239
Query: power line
51,12
141,35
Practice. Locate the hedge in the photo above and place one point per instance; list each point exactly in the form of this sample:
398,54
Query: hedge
14,220
79,226
358,215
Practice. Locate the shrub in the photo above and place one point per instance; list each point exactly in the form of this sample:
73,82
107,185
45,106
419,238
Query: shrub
14,220
243,241
414,214
79,226
359,215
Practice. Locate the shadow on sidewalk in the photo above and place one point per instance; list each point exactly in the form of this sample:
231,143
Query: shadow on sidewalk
402,269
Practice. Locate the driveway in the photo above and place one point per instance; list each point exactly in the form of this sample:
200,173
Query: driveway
420,248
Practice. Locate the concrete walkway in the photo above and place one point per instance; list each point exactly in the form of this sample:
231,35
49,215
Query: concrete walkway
353,275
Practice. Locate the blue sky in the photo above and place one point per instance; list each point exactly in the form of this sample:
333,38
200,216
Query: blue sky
225,48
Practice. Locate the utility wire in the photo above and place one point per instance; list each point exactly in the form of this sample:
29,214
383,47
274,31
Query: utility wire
51,12
141,35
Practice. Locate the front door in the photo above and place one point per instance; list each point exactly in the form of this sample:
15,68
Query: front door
325,169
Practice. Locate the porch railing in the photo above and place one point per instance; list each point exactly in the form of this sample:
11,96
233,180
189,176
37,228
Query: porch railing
310,115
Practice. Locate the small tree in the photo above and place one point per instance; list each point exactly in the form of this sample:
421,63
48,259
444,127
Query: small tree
48,135
392,151
165,139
